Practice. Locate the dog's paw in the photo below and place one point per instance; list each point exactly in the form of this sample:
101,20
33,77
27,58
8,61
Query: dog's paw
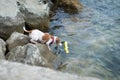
49,48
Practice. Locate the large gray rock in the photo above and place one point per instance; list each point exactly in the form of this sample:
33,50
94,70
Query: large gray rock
36,13
14,14
2,49
17,71
16,39
33,54
10,18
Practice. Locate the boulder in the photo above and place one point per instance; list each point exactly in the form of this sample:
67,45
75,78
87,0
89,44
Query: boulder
21,50
70,6
17,71
33,54
15,13
36,13
10,18
16,39
2,49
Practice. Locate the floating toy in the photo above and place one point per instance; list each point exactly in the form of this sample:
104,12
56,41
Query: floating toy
66,47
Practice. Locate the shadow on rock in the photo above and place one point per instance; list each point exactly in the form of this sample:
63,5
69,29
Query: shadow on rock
2,49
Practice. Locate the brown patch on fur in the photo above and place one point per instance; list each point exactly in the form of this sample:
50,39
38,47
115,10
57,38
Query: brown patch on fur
46,37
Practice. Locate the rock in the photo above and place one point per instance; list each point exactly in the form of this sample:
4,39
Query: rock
33,54
10,18
36,13
14,14
17,71
21,51
16,39
70,6
2,49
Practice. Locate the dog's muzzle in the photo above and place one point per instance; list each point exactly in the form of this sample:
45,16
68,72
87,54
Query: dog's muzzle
60,44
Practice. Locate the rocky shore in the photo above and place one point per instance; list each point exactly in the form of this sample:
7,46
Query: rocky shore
17,71
14,14
20,59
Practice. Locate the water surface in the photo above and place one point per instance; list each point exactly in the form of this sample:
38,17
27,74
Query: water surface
94,39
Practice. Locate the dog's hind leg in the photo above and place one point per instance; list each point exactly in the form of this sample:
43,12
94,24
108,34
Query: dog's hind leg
33,41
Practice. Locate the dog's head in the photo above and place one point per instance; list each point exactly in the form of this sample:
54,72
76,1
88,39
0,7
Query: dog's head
58,41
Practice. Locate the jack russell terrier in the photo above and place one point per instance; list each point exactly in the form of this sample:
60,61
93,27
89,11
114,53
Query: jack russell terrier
37,36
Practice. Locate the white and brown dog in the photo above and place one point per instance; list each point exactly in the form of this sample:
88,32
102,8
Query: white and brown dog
37,36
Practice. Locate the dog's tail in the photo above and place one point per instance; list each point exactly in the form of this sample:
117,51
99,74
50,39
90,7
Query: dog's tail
28,31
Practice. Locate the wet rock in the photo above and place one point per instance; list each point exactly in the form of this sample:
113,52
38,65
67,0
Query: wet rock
17,71
70,6
2,49
16,39
14,14
33,54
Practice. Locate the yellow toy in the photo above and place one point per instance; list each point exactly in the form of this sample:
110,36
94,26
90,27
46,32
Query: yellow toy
66,47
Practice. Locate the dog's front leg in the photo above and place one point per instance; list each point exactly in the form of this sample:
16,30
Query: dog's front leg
48,44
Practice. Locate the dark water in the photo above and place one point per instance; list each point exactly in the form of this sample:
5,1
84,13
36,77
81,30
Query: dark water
94,39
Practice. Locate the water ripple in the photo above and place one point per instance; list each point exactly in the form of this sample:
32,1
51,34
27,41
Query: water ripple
94,39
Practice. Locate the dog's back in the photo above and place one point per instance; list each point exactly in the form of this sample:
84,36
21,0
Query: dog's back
36,35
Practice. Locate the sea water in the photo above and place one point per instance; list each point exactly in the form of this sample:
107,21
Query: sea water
93,36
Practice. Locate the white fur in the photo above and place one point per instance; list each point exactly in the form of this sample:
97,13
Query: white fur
24,29
36,36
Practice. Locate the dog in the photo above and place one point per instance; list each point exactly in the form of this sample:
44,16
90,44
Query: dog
37,36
